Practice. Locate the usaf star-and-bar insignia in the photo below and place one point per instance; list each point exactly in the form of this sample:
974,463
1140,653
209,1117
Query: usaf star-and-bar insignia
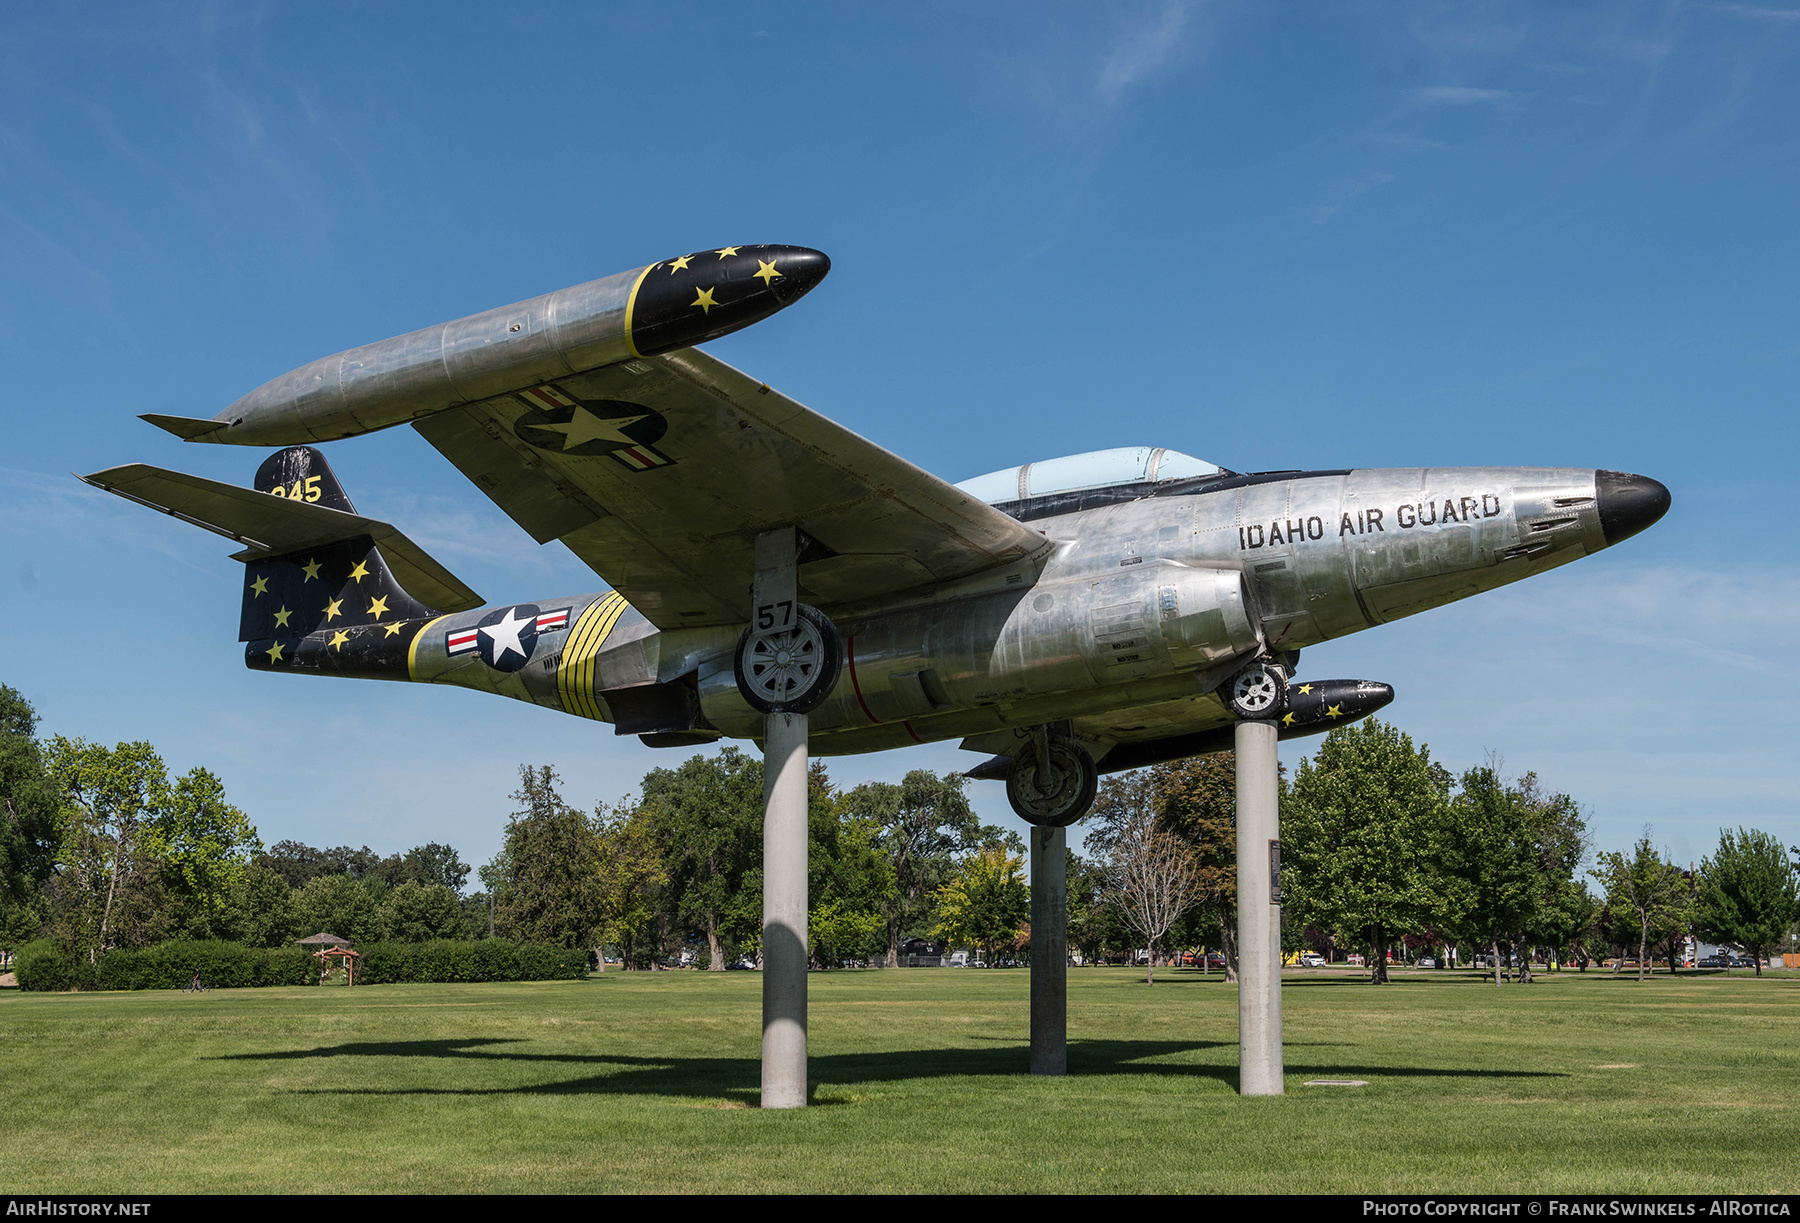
560,423
507,637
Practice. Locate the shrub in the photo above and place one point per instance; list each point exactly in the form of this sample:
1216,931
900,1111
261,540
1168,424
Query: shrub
45,966
172,965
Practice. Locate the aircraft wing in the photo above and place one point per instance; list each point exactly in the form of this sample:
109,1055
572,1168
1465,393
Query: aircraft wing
660,471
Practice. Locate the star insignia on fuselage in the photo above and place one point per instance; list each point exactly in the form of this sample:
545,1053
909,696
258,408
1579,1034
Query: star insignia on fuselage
704,299
505,635
338,638
378,607
281,617
360,572
723,251
765,270
312,568
259,587
331,609
679,265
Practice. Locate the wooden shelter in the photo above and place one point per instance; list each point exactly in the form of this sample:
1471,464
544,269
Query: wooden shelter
331,947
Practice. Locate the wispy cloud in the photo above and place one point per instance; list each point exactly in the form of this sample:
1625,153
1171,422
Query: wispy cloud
1758,12
1462,95
1346,191
1144,50
1405,142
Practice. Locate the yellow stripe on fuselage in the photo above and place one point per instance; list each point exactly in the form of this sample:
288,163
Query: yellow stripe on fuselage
575,670
412,651
631,308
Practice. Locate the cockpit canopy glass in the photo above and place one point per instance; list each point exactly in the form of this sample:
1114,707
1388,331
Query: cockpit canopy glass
1096,469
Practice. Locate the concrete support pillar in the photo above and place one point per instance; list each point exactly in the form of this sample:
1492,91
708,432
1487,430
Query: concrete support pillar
784,912
784,854
1259,910
1049,950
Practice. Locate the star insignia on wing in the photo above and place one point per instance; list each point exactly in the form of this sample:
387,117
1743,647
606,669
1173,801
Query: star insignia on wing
704,299
583,427
360,572
312,568
765,270
679,265
338,638
723,251
378,607
274,652
259,587
331,609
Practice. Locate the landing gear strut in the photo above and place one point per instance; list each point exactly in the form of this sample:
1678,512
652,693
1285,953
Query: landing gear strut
1053,779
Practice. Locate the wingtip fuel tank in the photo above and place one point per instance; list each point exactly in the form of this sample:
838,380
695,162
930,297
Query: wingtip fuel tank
670,304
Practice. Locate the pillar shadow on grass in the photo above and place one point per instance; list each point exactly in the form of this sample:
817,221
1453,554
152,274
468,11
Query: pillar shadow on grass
740,1077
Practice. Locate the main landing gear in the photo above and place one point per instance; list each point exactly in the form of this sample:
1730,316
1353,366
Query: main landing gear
1053,779
1258,692
788,660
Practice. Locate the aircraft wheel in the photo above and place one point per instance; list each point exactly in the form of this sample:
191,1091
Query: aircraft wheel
1057,797
789,669
1257,693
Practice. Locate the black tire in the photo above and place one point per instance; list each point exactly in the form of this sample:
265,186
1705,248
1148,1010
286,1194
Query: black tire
1258,693
1077,781
798,682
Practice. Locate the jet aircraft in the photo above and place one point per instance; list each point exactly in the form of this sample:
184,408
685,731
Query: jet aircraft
1067,617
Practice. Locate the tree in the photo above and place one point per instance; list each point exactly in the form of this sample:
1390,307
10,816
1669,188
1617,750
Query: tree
1360,832
628,875
262,909
28,821
1154,878
1196,800
986,901
417,912
205,845
1651,891
550,893
1749,894
707,816
919,826
1493,856
433,863
108,890
340,905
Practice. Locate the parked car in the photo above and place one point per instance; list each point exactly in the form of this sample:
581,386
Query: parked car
1311,959
1427,962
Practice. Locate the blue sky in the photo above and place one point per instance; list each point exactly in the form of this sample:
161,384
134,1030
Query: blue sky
1272,235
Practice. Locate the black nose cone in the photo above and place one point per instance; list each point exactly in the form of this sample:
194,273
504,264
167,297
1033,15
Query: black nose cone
801,269
1628,503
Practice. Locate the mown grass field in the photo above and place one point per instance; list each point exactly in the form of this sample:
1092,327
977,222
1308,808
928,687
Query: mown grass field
640,1082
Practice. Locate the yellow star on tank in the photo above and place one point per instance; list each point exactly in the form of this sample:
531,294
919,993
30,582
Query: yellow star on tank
338,638
1335,711
274,652
1287,719
259,587
378,607
725,250
331,609
704,299
679,265
1305,688
390,629
360,572
765,270
281,617
312,568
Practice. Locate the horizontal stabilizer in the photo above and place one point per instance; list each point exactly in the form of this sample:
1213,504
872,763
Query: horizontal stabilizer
187,428
271,526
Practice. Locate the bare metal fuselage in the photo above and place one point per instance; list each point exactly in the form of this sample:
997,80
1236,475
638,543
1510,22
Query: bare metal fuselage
1144,605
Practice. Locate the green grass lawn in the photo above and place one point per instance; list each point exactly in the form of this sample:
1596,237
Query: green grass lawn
648,1082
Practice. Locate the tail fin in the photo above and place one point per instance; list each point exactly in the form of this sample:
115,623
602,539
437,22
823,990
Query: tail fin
338,585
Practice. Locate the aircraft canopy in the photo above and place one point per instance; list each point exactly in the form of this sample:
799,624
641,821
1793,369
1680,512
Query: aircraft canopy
1096,469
